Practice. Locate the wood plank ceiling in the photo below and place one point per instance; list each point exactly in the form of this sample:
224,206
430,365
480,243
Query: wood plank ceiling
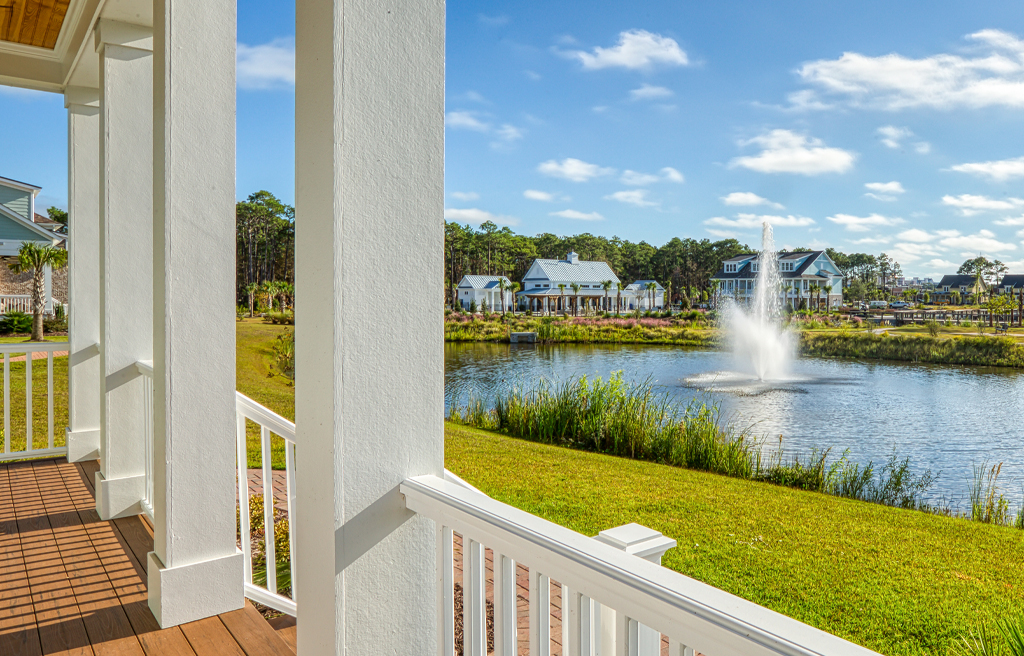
32,22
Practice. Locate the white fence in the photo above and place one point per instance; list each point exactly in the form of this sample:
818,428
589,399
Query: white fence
15,303
25,351
607,594
270,423
145,370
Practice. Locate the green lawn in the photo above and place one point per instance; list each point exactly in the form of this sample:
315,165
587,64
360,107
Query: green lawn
256,377
896,581
18,407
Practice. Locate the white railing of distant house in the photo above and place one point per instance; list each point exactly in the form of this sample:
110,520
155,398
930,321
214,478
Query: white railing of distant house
15,303
270,423
145,370
613,602
25,350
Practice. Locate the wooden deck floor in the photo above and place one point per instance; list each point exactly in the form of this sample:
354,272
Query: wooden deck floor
71,583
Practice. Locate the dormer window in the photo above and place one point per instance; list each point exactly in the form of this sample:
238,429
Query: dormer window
754,266
945,288
786,266
730,268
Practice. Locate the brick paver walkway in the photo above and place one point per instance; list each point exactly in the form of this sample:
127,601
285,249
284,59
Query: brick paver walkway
280,486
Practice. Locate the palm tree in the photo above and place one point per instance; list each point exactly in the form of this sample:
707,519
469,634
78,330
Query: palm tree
514,288
618,297
812,290
575,299
561,296
250,291
651,287
606,286
786,289
267,291
35,258
503,286
285,291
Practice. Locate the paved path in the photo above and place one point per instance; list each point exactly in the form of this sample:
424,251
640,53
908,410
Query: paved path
280,486
38,355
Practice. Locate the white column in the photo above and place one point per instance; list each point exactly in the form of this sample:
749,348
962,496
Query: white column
126,233
369,395
83,431
195,569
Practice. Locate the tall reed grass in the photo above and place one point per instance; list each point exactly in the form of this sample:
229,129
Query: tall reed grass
633,420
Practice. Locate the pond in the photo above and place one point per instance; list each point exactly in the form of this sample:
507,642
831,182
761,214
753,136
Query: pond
947,419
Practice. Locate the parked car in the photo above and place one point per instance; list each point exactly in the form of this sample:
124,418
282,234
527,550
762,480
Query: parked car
899,305
878,305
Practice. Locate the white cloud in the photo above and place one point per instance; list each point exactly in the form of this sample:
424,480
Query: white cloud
923,147
722,234
885,187
983,242
508,133
892,135
939,265
464,195
266,66
1011,221
636,197
755,221
573,169
991,78
465,121
871,241
997,170
637,179
477,216
649,92
534,194
580,216
915,235
747,198
970,204
637,49
784,151
864,223
672,175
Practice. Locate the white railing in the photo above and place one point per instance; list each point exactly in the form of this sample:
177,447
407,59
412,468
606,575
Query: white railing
608,596
26,350
270,423
15,303
145,370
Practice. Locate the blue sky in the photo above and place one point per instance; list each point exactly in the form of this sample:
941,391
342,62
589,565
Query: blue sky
864,126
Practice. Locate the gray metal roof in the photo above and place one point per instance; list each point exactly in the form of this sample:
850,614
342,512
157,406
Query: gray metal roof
564,271
639,284
481,282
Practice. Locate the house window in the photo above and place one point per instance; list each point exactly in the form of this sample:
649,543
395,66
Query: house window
945,288
754,266
730,268
786,266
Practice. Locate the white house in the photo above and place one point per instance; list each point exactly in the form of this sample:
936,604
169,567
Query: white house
548,287
800,273
484,289
150,89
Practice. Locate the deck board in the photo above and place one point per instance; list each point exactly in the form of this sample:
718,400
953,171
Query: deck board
71,583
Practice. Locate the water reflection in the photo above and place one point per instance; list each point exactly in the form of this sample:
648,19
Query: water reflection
946,418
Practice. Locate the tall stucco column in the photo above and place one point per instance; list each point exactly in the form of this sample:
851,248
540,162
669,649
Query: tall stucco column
126,269
83,430
369,397
195,569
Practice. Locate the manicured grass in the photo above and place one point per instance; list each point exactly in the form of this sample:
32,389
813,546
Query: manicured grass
18,407
256,378
896,581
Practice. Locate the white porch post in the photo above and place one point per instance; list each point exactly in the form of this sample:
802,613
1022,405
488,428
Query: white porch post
125,235
369,399
83,431
195,569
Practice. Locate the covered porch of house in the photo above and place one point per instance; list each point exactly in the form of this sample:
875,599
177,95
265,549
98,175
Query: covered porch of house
366,562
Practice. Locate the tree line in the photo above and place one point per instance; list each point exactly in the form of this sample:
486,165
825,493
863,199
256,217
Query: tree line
265,250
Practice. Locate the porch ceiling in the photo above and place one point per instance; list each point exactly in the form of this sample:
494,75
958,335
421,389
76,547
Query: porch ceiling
32,22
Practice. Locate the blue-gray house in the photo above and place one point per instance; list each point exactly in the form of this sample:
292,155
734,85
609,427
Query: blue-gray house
19,223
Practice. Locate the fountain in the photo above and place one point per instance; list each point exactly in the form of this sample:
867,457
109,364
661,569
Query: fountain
761,347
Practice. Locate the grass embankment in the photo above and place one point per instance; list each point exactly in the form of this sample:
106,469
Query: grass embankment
257,378
688,329
962,350
896,581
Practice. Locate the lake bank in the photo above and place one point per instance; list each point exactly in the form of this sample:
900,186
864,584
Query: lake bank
817,339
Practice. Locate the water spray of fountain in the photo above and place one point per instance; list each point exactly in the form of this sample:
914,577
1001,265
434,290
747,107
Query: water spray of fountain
760,345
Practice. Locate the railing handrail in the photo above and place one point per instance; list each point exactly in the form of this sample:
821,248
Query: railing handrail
264,416
33,347
706,618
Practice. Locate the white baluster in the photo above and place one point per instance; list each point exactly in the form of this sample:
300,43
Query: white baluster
474,633
28,401
505,598
243,497
289,467
7,403
268,510
49,399
676,648
446,592
572,612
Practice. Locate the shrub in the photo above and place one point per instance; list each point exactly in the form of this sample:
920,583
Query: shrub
284,354
933,328
16,322
472,306
286,318
55,325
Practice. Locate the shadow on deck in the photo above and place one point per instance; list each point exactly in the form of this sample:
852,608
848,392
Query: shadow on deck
71,583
